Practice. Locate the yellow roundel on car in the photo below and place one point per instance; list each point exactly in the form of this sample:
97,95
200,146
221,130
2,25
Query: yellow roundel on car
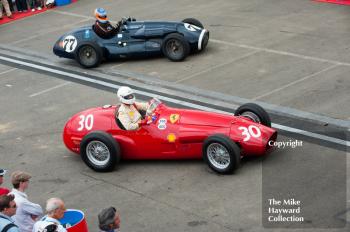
171,138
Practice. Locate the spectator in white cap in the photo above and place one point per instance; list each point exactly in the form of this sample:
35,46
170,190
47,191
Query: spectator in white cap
3,191
27,212
55,210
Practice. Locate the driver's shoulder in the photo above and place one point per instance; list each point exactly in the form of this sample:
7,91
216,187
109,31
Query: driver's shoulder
141,103
122,108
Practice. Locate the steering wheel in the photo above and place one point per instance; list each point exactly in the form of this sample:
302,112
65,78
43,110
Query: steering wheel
123,20
149,111
126,19
152,106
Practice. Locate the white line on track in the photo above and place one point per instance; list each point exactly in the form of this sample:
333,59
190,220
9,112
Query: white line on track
118,65
311,134
7,71
24,18
180,102
72,14
49,89
46,32
295,82
216,66
280,52
78,15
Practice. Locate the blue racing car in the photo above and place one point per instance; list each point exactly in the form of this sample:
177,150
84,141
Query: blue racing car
175,40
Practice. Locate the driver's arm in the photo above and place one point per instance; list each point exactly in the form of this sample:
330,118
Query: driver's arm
117,27
142,106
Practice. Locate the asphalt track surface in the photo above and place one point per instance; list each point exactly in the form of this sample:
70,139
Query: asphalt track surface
278,54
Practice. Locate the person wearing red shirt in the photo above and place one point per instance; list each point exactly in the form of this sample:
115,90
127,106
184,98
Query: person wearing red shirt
3,191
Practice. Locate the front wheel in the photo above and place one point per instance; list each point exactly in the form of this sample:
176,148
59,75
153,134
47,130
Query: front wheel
193,21
175,47
100,151
255,113
221,154
89,55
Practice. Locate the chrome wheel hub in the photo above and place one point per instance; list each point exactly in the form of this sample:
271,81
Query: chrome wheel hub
251,116
98,153
218,155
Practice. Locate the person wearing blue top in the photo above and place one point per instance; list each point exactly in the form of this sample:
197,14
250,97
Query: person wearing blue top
7,210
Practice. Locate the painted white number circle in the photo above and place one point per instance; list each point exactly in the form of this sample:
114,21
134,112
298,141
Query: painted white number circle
162,124
69,43
86,122
191,27
251,131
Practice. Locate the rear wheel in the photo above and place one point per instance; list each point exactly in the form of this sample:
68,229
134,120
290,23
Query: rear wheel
255,113
89,55
221,154
193,21
100,151
175,47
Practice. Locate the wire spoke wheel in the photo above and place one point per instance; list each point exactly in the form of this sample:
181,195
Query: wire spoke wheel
255,113
98,153
218,155
221,153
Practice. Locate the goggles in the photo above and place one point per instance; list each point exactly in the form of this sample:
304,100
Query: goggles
128,97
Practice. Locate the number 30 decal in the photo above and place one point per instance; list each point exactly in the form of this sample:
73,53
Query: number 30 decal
86,122
251,131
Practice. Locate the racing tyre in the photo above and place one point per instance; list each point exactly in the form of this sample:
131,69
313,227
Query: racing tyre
193,21
221,154
100,151
175,47
255,113
89,55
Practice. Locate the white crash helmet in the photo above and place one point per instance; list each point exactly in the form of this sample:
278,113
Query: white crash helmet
126,95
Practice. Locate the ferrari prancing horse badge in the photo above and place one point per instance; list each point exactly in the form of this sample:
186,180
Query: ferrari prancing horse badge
174,118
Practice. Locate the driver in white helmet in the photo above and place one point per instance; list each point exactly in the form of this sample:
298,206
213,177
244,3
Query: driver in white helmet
128,113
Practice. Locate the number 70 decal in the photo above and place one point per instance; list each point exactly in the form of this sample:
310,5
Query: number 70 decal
251,131
86,122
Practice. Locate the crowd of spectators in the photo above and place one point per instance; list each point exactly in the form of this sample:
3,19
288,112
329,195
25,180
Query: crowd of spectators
18,6
19,214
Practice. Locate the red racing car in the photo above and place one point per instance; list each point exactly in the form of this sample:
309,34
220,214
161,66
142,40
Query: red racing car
172,133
